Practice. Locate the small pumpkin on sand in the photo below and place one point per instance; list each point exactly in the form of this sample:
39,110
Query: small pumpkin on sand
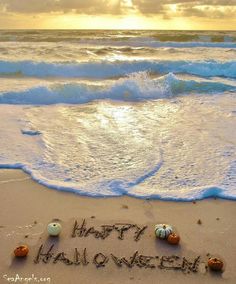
54,229
162,231
21,251
215,264
173,239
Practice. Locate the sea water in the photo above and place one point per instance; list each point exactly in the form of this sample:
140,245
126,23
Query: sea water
150,114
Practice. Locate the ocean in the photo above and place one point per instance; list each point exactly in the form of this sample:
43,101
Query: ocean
149,114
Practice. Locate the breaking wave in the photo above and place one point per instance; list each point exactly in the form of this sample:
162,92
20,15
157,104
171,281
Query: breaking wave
119,68
135,87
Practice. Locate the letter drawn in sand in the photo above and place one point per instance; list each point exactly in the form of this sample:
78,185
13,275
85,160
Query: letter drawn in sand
79,230
80,258
62,257
189,266
45,257
100,260
106,231
139,232
121,228
144,261
170,263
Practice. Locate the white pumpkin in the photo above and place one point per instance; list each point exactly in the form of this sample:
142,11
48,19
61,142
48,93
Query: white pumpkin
54,229
162,231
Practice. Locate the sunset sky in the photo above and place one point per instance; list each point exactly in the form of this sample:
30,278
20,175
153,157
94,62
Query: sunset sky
118,14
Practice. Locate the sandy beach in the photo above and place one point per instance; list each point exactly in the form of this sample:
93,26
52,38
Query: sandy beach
118,142
27,208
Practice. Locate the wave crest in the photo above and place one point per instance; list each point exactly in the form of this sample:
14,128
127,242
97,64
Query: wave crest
135,87
118,68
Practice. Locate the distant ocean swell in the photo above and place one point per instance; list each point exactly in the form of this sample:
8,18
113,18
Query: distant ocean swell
157,38
119,68
157,44
147,42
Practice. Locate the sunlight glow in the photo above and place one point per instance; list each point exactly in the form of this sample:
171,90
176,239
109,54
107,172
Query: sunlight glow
128,3
173,7
129,18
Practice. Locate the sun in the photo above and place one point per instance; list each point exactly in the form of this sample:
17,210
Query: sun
128,3
173,7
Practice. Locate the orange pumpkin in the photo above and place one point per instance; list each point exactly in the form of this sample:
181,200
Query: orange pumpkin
173,239
21,251
215,264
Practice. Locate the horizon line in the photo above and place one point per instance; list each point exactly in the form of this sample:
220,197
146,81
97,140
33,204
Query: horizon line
99,29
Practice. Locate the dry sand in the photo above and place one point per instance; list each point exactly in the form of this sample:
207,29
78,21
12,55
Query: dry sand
27,208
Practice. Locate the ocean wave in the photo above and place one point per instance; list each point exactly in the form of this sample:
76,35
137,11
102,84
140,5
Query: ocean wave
106,69
150,42
116,37
136,87
133,42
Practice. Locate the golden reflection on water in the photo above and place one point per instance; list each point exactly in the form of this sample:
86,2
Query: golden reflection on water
164,145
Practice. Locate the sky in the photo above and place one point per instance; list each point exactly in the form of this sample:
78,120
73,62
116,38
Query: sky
118,14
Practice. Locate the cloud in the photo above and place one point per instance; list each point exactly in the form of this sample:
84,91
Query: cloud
207,12
220,9
49,6
186,8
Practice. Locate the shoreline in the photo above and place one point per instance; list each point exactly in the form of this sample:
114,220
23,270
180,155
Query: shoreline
27,207
205,193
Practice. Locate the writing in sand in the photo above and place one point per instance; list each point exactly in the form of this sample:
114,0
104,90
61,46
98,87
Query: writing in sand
83,257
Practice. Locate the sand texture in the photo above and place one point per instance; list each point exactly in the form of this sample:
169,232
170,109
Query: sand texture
92,254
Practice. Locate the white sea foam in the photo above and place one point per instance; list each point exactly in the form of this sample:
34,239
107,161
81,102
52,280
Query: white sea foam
149,114
169,149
